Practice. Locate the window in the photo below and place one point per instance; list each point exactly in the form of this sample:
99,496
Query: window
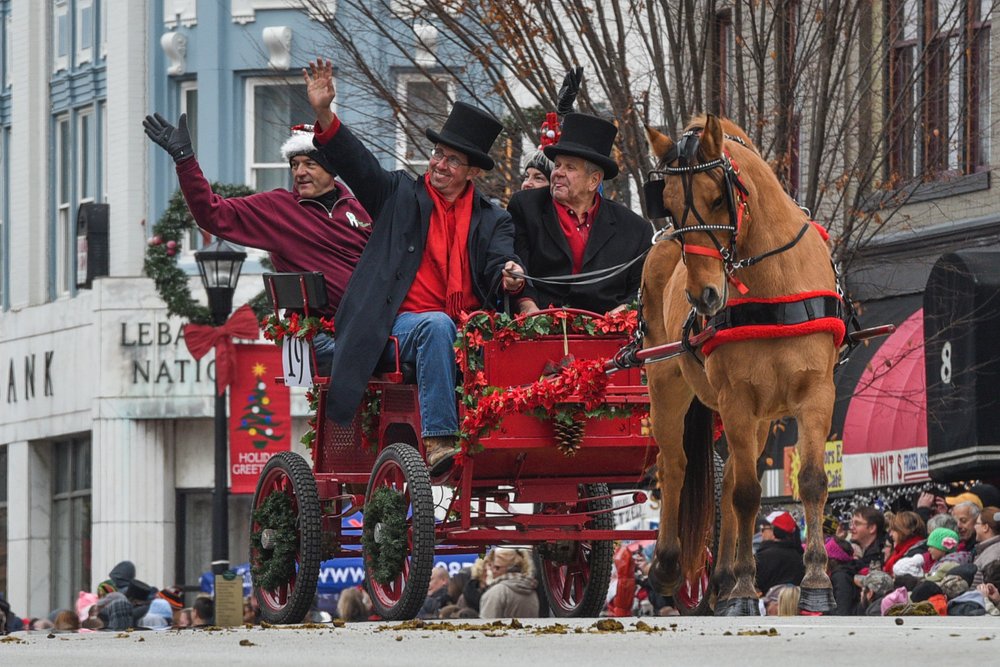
84,31
194,532
3,518
939,91
62,254
425,103
189,105
273,107
102,108
60,35
86,156
5,51
71,516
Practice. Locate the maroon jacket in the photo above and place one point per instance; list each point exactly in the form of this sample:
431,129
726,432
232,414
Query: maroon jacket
301,234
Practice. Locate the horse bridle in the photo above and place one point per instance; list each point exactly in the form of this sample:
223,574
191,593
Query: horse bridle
734,191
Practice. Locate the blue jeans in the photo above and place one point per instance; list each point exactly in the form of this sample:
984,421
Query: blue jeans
323,348
427,340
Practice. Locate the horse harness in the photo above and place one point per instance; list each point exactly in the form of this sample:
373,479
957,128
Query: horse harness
765,317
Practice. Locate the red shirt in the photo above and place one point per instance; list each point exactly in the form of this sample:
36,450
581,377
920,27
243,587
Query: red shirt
577,232
444,271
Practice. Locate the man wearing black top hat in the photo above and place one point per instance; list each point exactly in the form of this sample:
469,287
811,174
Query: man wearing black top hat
569,228
438,248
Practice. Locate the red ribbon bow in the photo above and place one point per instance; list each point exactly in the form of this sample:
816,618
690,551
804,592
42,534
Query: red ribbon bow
201,338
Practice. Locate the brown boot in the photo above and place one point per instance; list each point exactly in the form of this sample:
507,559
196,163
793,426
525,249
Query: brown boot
440,454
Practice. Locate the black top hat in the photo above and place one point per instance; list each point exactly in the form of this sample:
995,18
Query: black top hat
587,137
471,131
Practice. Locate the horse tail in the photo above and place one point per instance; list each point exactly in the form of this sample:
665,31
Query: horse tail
697,506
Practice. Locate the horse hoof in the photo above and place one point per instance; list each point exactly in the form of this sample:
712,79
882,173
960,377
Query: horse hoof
817,600
737,607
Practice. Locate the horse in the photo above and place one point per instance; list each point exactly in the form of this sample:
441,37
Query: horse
739,251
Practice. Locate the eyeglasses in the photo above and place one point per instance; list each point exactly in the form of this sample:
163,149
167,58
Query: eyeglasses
858,524
451,161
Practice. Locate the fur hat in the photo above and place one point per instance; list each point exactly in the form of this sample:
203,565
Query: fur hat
301,143
943,539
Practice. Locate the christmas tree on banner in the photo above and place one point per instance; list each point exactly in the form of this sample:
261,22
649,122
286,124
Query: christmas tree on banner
258,419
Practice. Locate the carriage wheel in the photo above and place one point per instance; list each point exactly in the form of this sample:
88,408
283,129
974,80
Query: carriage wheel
400,468
575,575
288,602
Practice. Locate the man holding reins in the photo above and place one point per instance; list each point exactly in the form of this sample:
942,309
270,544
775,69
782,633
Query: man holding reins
438,248
570,228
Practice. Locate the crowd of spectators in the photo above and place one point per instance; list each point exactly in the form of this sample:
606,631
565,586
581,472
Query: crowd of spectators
120,602
942,557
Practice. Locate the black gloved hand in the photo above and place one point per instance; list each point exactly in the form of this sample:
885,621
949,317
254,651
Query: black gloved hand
174,140
569,90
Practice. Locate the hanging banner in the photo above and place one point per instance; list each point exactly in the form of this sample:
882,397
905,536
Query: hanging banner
260,419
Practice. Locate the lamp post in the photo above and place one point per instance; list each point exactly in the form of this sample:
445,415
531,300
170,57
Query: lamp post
219,265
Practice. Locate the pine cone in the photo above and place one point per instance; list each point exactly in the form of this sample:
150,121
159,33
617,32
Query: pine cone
569,436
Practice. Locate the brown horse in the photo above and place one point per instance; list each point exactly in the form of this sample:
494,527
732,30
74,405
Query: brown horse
735,229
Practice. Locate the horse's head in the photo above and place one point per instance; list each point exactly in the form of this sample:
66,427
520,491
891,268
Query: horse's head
699,189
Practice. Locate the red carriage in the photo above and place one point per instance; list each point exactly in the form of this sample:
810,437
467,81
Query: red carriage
542,461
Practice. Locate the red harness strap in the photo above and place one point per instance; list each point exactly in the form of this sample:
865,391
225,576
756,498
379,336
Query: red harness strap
832,325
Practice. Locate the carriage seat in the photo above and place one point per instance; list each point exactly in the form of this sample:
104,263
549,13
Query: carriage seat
389,364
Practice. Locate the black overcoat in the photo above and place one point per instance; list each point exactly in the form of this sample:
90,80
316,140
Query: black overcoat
617,236
400,207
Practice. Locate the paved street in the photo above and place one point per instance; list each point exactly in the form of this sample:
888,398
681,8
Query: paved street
882,642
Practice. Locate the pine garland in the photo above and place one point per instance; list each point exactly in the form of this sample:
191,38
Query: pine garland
384,553
571,391
163,246
274,566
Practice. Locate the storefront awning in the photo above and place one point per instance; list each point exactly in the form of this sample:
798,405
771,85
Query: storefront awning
884,425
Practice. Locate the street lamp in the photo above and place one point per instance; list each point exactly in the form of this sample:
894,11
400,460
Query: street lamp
219,265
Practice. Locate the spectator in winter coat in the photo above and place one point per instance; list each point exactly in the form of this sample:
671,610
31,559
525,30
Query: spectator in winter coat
9,621
940,543
512,593
966,512
779,561
867,530
987,538
119,578
318,226
842,567
874,587
537,171
908,534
